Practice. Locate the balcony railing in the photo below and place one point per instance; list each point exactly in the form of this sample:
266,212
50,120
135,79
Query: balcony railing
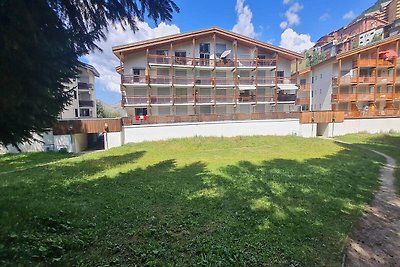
247,98
161,99
365,79
183,99
286,80
204,99
371,63
84,86
265,98
183,80
384,96
305,87
183,61
386,79
134,79
160,80
205,62
86,103
225,98
266,80
246,81
365,96
135,100
159,59
287,97
344,97
303,101
224,81
204,81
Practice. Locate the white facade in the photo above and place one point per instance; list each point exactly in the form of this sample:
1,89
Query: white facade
83,103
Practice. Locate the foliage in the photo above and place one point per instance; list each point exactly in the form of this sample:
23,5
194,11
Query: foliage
377,37
250,201
40,42
103,113
314,56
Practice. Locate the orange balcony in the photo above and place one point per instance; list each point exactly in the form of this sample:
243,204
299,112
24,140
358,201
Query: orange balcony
204,81
159,59
371,63
160,80
266,80
302,101
183,80
384,96
396,96
224,81
286,80
246,81
387,79
366,79
344,97
203,62
183,61
365,96
305,87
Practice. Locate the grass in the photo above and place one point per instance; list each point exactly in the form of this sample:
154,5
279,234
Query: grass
385,143
270,201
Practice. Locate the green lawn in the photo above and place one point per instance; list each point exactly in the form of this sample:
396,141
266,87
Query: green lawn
385,143
271,201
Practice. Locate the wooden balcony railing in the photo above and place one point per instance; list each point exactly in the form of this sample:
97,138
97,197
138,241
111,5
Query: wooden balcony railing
266,80
224,81
265,98
371,63
267,62
183,80
242,62
225,98
183,61
286,80
346,80
370,114
135,100
159,59
204,81
204,99
246,81
302,101
365,79
396,96
161,99
246,98
206,62
160,80
365,96
384,96
344,97
305,87
183,99
246,62
386,79
139,79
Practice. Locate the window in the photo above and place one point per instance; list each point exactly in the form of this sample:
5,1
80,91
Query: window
140,111
280,73
76,113
320,91
85,112
180,57
136,75
221,48
204,48
162,52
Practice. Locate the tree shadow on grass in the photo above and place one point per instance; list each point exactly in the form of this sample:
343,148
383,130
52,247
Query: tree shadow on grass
279,212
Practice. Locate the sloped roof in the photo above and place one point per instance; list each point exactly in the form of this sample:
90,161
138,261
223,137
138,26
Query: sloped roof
90,68
137,46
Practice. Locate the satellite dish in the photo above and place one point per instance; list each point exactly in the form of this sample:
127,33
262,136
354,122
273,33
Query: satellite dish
225,53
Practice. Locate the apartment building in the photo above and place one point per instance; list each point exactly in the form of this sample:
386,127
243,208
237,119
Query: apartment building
361,82
83,104
209,71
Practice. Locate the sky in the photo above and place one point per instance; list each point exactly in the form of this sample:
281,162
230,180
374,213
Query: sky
292,24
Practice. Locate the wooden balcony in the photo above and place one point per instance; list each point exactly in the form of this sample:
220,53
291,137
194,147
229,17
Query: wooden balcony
135,100
265,98
183,61
287,80
160,80
183,99
371,63
246,98
396,96
135,79
183,80
385,80
302,101
384,96
204,99
224,81
161,99
372,114
225,99
209,81
246,81
365,97
159,59
287,97
366,79
203,62
256,62
266,80
344,97
305,87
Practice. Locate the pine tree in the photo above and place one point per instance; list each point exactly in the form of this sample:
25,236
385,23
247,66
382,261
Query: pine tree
40,43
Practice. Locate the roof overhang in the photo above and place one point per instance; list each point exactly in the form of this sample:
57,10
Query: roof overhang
121,50
287,87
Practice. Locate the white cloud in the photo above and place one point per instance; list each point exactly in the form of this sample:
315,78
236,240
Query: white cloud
244,24
291,15
285,2
324,17
297,42
349,15
105,62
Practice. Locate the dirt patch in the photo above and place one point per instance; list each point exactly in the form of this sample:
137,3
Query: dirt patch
376,240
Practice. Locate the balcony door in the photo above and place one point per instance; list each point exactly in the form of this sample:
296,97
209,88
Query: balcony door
162,56
205,54
180,57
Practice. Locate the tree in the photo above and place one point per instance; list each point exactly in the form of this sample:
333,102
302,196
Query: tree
40,43
103,113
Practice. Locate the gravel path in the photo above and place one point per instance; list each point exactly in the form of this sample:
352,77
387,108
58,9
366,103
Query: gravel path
376,240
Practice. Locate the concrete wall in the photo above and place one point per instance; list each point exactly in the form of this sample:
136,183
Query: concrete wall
322,87
42,143
72,143
140,133
113,140
364,125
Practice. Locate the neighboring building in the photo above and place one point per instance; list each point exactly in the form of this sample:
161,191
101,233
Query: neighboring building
83,104
210,71
371,36
392,29
361,82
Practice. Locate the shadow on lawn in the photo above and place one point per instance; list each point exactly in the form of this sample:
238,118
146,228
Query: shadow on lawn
279,212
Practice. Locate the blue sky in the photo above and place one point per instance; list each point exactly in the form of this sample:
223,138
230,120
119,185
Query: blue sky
294,24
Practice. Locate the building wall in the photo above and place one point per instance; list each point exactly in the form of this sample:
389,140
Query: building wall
376,125
40,144
322,87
